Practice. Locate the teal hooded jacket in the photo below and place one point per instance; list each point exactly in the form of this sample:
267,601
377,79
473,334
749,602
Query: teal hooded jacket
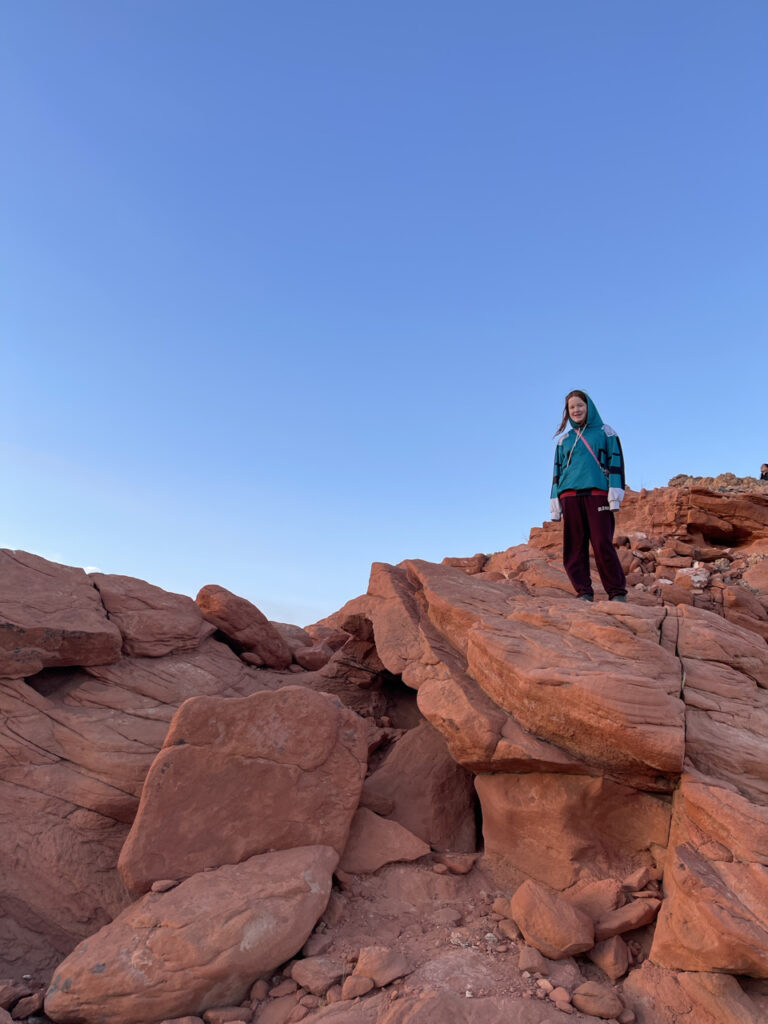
576,468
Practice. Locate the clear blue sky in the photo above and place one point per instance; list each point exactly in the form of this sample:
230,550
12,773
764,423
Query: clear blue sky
292,286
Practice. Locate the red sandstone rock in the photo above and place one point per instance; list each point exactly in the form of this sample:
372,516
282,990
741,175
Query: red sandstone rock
152,621
354,987
548,923
27,1006
557,828
375,841
627,918
277,1011
240,777
75,746
199,945
430,794
381,965
627,723
659,997
11,991
716,886
247,627
317,973
597,1000
50,615
227,1015
611,956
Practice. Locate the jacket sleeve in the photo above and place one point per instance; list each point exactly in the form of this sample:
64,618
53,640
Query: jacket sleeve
616,479
556,472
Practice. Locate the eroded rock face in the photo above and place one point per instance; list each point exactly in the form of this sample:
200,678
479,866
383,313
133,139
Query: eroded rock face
559,828
50,615
239,777
200,945
75,747
152,621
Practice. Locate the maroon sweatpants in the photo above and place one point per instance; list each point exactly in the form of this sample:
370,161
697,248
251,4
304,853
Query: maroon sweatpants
587,517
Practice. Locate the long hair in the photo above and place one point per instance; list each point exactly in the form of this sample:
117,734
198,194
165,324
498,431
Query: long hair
571,394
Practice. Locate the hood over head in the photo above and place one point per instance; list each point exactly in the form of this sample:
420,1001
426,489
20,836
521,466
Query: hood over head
594,419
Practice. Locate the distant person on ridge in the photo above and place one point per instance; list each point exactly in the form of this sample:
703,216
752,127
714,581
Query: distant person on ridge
587,485
764,471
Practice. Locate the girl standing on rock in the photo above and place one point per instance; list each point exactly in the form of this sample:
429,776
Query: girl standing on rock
587,485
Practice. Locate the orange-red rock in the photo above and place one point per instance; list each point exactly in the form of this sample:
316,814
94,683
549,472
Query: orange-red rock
429,793
197,946
549,923
239,777
559,828
50,615
75,746
375,841
715,910
246,626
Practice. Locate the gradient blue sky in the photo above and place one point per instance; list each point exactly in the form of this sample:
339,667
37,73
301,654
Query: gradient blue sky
292,286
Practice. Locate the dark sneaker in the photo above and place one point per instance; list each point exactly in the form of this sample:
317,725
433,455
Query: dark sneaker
619,597
586,597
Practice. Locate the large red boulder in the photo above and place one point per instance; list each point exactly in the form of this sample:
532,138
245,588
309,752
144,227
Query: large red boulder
245,626
239,777
198,946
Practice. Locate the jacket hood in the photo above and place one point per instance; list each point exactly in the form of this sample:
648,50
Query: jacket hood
594,419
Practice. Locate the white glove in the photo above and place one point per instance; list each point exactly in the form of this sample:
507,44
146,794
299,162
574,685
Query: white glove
555,511
615,498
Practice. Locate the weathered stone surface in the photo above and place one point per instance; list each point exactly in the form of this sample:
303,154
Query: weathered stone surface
611,956
197,946
660,997
152,621
239,777
381,965
430,794
479,656
597,1000
557,828
549,923
317,973
246,626
627,918
716,883
375,841
75,747
50,615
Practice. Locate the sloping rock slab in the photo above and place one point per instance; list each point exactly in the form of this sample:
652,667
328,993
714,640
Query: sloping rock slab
197,946
152,621
50,615
594,682
240,777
